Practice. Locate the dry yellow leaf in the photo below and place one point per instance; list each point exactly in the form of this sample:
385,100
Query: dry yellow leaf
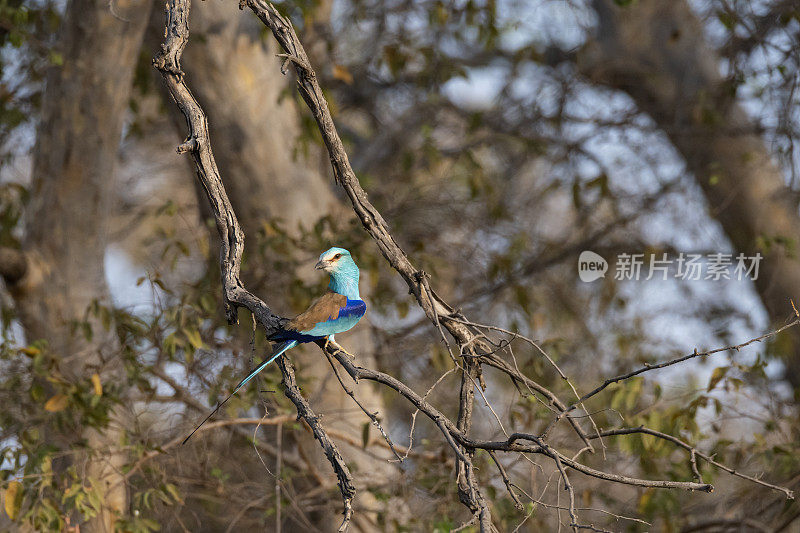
11,500
98,387
341,73
57,403
194,338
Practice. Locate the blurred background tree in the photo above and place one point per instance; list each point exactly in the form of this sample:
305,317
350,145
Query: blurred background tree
499,140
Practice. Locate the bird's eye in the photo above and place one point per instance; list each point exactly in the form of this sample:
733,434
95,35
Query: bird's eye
337,256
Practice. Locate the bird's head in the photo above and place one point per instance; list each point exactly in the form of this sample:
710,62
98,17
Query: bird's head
337,261
344,273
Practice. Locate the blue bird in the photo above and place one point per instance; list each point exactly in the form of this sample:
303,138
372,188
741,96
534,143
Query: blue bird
336,311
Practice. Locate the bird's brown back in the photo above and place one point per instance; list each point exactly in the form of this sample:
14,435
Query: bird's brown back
323,308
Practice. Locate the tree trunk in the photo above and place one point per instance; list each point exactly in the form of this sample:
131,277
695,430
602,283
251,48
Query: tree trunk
84,103
656,52
253,119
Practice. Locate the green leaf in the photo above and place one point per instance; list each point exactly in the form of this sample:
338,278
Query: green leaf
172,490
365,434
717,376
194,338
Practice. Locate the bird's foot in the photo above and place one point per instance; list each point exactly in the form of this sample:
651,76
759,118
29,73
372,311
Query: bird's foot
339,347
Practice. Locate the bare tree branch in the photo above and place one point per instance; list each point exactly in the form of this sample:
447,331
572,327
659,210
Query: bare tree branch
305,412
198,143
681,359
167,61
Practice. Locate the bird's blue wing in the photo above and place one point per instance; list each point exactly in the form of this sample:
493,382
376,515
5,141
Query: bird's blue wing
330,314
347,317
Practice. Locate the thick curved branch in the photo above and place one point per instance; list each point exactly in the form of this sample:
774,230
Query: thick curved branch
167,61
307,84
198,143
434,307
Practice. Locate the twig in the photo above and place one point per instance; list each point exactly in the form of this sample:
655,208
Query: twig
506,480
696,453
416,411
562,375
274,421
372,416
649,367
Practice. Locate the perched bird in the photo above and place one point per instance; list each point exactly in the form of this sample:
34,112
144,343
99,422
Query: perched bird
336,311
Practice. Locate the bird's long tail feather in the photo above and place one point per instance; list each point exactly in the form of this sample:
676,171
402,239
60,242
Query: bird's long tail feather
285,346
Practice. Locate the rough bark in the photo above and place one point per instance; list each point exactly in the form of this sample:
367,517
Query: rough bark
656,52
83,107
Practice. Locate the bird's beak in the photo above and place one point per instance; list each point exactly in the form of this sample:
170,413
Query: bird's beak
321,265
